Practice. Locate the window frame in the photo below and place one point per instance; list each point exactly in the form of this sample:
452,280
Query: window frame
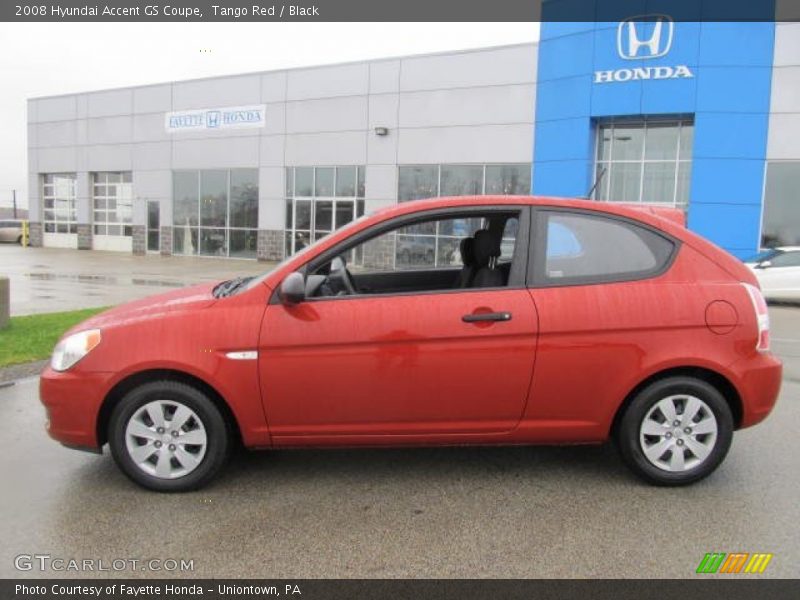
536,275
519,261
602,192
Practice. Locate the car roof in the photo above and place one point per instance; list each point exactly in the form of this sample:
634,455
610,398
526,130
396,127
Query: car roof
657,216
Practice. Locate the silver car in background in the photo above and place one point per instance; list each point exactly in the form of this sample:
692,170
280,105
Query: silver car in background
11,231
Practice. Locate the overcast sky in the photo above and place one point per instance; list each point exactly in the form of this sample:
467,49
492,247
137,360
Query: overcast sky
40,59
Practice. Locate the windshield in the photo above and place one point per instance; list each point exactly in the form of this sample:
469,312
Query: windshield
768,254
256,280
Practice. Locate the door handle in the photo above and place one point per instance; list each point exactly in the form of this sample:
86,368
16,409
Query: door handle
479,317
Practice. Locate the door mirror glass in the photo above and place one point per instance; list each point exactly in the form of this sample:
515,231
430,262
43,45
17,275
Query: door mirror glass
293,289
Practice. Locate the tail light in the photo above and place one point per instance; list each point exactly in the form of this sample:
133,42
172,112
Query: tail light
762,316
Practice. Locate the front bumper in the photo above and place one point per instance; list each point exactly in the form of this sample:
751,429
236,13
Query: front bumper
72,400
759,384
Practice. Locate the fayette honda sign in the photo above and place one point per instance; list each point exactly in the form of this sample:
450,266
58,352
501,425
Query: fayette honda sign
231,117
640,38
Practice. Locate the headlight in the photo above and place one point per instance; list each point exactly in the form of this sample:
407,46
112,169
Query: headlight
73,348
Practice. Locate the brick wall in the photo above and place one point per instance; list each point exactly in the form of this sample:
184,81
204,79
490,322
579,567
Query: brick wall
166,240
270,244
35,235
139,240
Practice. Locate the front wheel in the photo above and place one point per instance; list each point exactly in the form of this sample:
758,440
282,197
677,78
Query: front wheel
675,431
168,436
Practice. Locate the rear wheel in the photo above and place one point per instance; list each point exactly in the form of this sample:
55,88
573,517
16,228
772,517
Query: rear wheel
168,436
676,431
19,240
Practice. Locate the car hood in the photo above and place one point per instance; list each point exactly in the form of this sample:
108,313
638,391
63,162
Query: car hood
184,299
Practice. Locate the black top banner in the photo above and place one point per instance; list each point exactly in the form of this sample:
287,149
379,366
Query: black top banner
398,10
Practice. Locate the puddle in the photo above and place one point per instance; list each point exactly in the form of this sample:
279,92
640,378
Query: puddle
105,279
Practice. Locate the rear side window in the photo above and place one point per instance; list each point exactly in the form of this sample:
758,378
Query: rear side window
583,248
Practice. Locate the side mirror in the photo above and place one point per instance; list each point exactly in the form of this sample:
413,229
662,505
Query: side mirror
293,289
765,265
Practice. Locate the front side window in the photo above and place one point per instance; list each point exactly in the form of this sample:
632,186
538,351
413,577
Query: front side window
645,161
582,248
112,201
58,201
478,252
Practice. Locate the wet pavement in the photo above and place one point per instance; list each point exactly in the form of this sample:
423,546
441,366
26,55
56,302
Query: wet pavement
444,512
53,279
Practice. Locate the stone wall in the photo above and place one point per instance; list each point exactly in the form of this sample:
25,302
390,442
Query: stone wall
139,240
166,240
270,244
35,235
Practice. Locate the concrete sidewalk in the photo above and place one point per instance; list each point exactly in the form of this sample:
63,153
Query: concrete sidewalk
53,279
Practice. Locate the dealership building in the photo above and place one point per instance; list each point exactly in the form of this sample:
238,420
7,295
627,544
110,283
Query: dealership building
700,116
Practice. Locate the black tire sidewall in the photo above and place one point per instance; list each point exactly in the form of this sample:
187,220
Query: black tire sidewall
627,437
218,444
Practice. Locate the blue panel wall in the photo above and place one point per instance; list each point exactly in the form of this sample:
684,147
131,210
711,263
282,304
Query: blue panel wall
728,95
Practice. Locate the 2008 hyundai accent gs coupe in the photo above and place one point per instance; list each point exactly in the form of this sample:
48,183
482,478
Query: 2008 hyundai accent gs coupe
530,321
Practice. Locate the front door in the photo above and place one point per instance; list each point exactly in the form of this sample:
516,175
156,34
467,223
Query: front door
378,363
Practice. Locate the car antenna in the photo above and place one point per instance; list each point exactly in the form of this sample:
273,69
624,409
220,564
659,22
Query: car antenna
596,183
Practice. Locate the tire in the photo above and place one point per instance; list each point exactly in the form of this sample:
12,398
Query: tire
161,465
665,454
19,240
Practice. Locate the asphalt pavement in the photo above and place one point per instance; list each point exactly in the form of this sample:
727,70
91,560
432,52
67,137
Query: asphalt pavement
53,279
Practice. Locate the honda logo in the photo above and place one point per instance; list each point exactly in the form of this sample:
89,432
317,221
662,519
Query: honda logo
647,36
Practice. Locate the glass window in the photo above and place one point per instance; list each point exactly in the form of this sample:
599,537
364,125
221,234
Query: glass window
244,198
361,183
628,142
323,214
587,248
213,198
243,243
781,221
323,181
508,180
346,181
786,259
153,229
644,161
419,262
304,181
326,198
112,198
215,212
415,183
458,180
58,195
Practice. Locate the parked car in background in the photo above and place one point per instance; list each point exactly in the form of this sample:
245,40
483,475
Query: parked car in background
602,322
778,273
11,231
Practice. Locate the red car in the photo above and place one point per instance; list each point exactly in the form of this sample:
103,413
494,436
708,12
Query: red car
532,321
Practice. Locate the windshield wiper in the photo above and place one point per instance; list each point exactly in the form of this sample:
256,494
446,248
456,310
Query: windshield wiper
226,288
